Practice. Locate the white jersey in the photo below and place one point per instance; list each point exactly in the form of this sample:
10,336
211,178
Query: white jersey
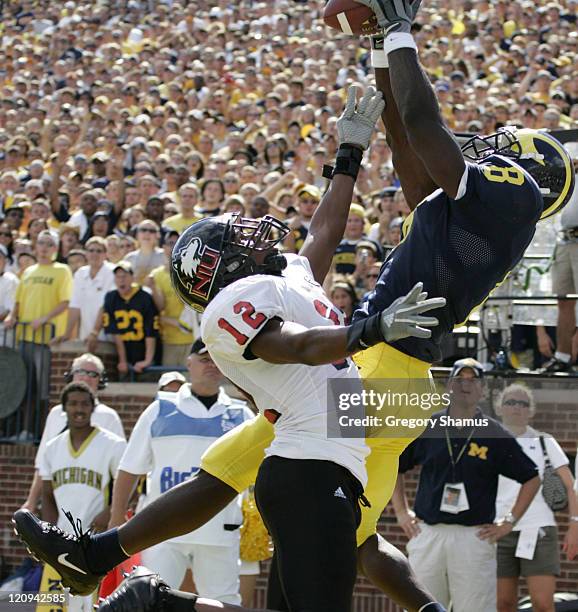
81,479
167,443
299,393
56,422
88,295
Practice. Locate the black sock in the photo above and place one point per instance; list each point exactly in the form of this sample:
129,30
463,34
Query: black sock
105,552
179,601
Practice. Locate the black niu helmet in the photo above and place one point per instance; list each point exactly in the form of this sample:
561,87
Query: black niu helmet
217,251
542,156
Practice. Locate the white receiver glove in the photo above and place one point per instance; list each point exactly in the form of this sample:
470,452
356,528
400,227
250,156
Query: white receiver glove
402,319
356,125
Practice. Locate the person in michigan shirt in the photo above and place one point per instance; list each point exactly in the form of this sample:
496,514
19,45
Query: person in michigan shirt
41,308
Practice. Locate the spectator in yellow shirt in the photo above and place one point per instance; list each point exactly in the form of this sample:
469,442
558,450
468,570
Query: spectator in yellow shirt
175,341
43,294
41,302
188,196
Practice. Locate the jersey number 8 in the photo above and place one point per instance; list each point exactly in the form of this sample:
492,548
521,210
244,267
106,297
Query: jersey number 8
497,174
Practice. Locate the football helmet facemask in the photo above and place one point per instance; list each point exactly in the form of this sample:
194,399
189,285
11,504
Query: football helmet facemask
215,252
539,153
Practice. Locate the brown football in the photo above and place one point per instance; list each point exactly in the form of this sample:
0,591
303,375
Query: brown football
349,17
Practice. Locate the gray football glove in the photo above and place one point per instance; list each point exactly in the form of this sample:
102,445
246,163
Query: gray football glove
403,318
355,126
393,15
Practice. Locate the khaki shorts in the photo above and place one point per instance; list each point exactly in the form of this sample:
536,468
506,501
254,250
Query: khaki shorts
565,269
546,561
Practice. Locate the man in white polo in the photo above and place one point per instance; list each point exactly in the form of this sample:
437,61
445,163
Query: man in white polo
167,443
89,286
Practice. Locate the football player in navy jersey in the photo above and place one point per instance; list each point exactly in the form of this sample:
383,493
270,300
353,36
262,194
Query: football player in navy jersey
474,208
474,212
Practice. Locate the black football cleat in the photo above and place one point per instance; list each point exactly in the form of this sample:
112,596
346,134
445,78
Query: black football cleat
142,591
66,553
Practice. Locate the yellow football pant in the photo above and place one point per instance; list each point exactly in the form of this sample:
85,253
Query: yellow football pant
235,457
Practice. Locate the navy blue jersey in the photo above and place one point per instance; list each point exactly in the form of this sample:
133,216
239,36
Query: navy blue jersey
492,451
133,319
460,249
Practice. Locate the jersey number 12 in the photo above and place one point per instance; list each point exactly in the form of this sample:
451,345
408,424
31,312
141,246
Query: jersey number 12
249,316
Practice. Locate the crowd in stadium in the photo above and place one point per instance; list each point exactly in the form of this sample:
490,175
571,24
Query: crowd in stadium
124,123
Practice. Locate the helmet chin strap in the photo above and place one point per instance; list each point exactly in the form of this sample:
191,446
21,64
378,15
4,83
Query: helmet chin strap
274,263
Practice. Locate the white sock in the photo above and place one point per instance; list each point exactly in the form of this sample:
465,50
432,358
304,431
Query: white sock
565,357
398,40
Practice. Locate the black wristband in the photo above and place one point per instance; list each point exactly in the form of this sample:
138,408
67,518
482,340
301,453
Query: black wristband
348,160
364,333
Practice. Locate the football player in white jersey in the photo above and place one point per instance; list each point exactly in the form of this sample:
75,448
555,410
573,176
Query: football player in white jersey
307,477
77,468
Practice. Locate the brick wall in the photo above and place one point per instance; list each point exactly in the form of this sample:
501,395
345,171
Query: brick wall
16,470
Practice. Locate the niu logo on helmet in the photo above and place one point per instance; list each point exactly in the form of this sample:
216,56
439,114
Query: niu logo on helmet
195,264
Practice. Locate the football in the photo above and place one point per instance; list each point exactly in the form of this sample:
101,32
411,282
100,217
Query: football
349,17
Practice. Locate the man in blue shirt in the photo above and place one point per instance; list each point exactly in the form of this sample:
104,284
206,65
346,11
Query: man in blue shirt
452,532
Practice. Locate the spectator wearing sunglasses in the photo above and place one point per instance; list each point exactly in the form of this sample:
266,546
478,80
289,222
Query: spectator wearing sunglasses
148,255
89,369
531,550
367,253
14,217
371,277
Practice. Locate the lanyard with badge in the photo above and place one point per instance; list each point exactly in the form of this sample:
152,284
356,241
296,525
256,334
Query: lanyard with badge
454,498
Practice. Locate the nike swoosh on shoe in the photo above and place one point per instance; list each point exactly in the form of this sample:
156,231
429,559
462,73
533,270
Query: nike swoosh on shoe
64,561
